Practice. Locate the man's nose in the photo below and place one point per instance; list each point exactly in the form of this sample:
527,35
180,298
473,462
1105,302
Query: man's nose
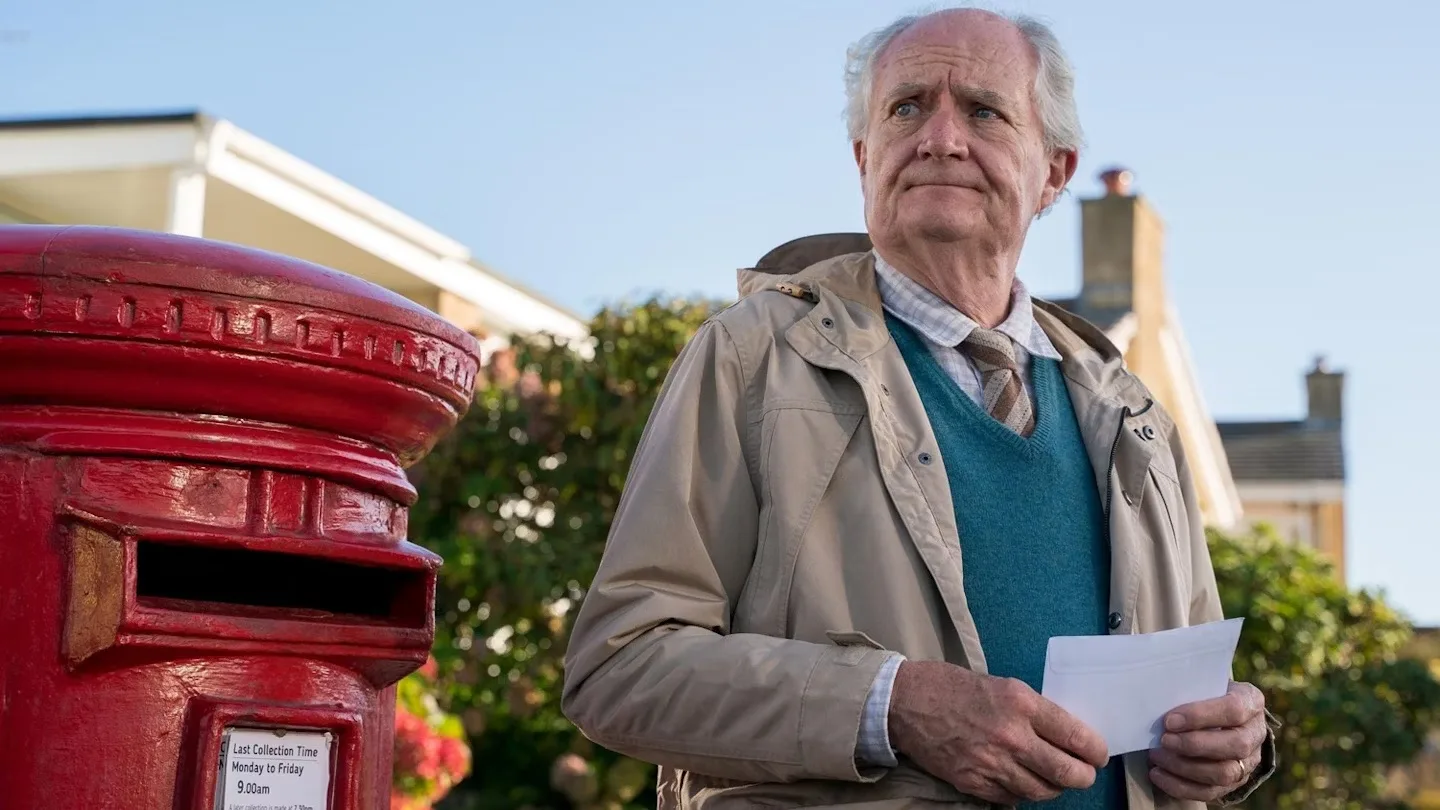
945,135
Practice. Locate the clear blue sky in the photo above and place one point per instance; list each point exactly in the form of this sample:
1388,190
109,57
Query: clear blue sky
606,150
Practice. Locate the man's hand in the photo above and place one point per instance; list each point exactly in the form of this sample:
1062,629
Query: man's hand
992,738
1210,748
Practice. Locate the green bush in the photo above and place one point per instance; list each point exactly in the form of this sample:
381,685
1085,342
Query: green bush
1328,660
518,500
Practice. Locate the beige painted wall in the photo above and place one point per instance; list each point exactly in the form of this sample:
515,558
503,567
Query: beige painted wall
1330,518
1320,526
460,312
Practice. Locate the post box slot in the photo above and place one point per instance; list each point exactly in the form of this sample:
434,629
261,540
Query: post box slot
250,582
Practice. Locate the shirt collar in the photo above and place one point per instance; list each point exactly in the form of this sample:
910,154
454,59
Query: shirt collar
941,323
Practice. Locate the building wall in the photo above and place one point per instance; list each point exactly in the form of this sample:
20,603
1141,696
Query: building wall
14,216
1293,522
425,297
1311,514
1331,519
1144,357
460,312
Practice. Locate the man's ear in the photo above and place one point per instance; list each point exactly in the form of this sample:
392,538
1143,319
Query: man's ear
859,147
1063,163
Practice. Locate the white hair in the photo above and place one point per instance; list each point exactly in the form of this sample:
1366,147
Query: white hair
1053,95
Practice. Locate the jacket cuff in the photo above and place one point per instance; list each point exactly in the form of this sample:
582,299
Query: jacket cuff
1269,761
834,699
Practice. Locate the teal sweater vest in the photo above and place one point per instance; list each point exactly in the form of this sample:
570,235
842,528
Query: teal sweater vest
1032,533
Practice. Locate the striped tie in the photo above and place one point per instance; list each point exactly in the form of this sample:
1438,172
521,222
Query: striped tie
1005,397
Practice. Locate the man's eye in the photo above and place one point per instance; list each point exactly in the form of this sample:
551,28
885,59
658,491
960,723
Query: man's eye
987,112
905,109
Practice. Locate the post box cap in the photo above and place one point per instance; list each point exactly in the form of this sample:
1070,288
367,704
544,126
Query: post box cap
128,319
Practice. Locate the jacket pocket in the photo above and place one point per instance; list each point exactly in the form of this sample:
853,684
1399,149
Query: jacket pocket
1175,525
1169,497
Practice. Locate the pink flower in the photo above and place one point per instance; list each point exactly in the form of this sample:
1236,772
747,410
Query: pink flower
454,758
427,763
429,766
410,733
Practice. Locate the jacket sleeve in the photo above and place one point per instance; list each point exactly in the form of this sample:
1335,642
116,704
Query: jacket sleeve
1205,607
653,670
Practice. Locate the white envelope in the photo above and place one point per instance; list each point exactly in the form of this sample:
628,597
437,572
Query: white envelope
1123,686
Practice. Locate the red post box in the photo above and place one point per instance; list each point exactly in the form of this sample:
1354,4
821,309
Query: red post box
206,594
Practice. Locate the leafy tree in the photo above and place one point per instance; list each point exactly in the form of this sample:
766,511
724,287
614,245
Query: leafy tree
1329,662
518,499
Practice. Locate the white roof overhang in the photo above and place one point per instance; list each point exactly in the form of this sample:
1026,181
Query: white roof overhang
198,176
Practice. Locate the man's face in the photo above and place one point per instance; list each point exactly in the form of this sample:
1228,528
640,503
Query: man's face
953,150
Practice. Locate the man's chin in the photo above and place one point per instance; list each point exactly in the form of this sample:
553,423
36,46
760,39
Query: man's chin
948,226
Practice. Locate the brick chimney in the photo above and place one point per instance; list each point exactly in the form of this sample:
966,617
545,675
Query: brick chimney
1122,247
1325,391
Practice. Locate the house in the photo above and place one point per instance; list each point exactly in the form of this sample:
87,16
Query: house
190,174
1291,474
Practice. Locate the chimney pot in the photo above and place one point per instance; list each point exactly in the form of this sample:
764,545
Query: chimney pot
1117,181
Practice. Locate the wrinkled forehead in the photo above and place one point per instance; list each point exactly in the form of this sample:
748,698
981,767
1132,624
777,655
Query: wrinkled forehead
975,49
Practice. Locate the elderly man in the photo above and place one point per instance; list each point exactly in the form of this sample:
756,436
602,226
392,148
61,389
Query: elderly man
872,490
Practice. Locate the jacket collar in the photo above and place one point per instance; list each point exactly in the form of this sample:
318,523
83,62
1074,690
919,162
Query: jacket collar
845,288
944,325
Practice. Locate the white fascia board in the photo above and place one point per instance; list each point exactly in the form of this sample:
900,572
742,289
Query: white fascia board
228,138
490,345
185,208
1208,462
46,150
506,306
501,304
